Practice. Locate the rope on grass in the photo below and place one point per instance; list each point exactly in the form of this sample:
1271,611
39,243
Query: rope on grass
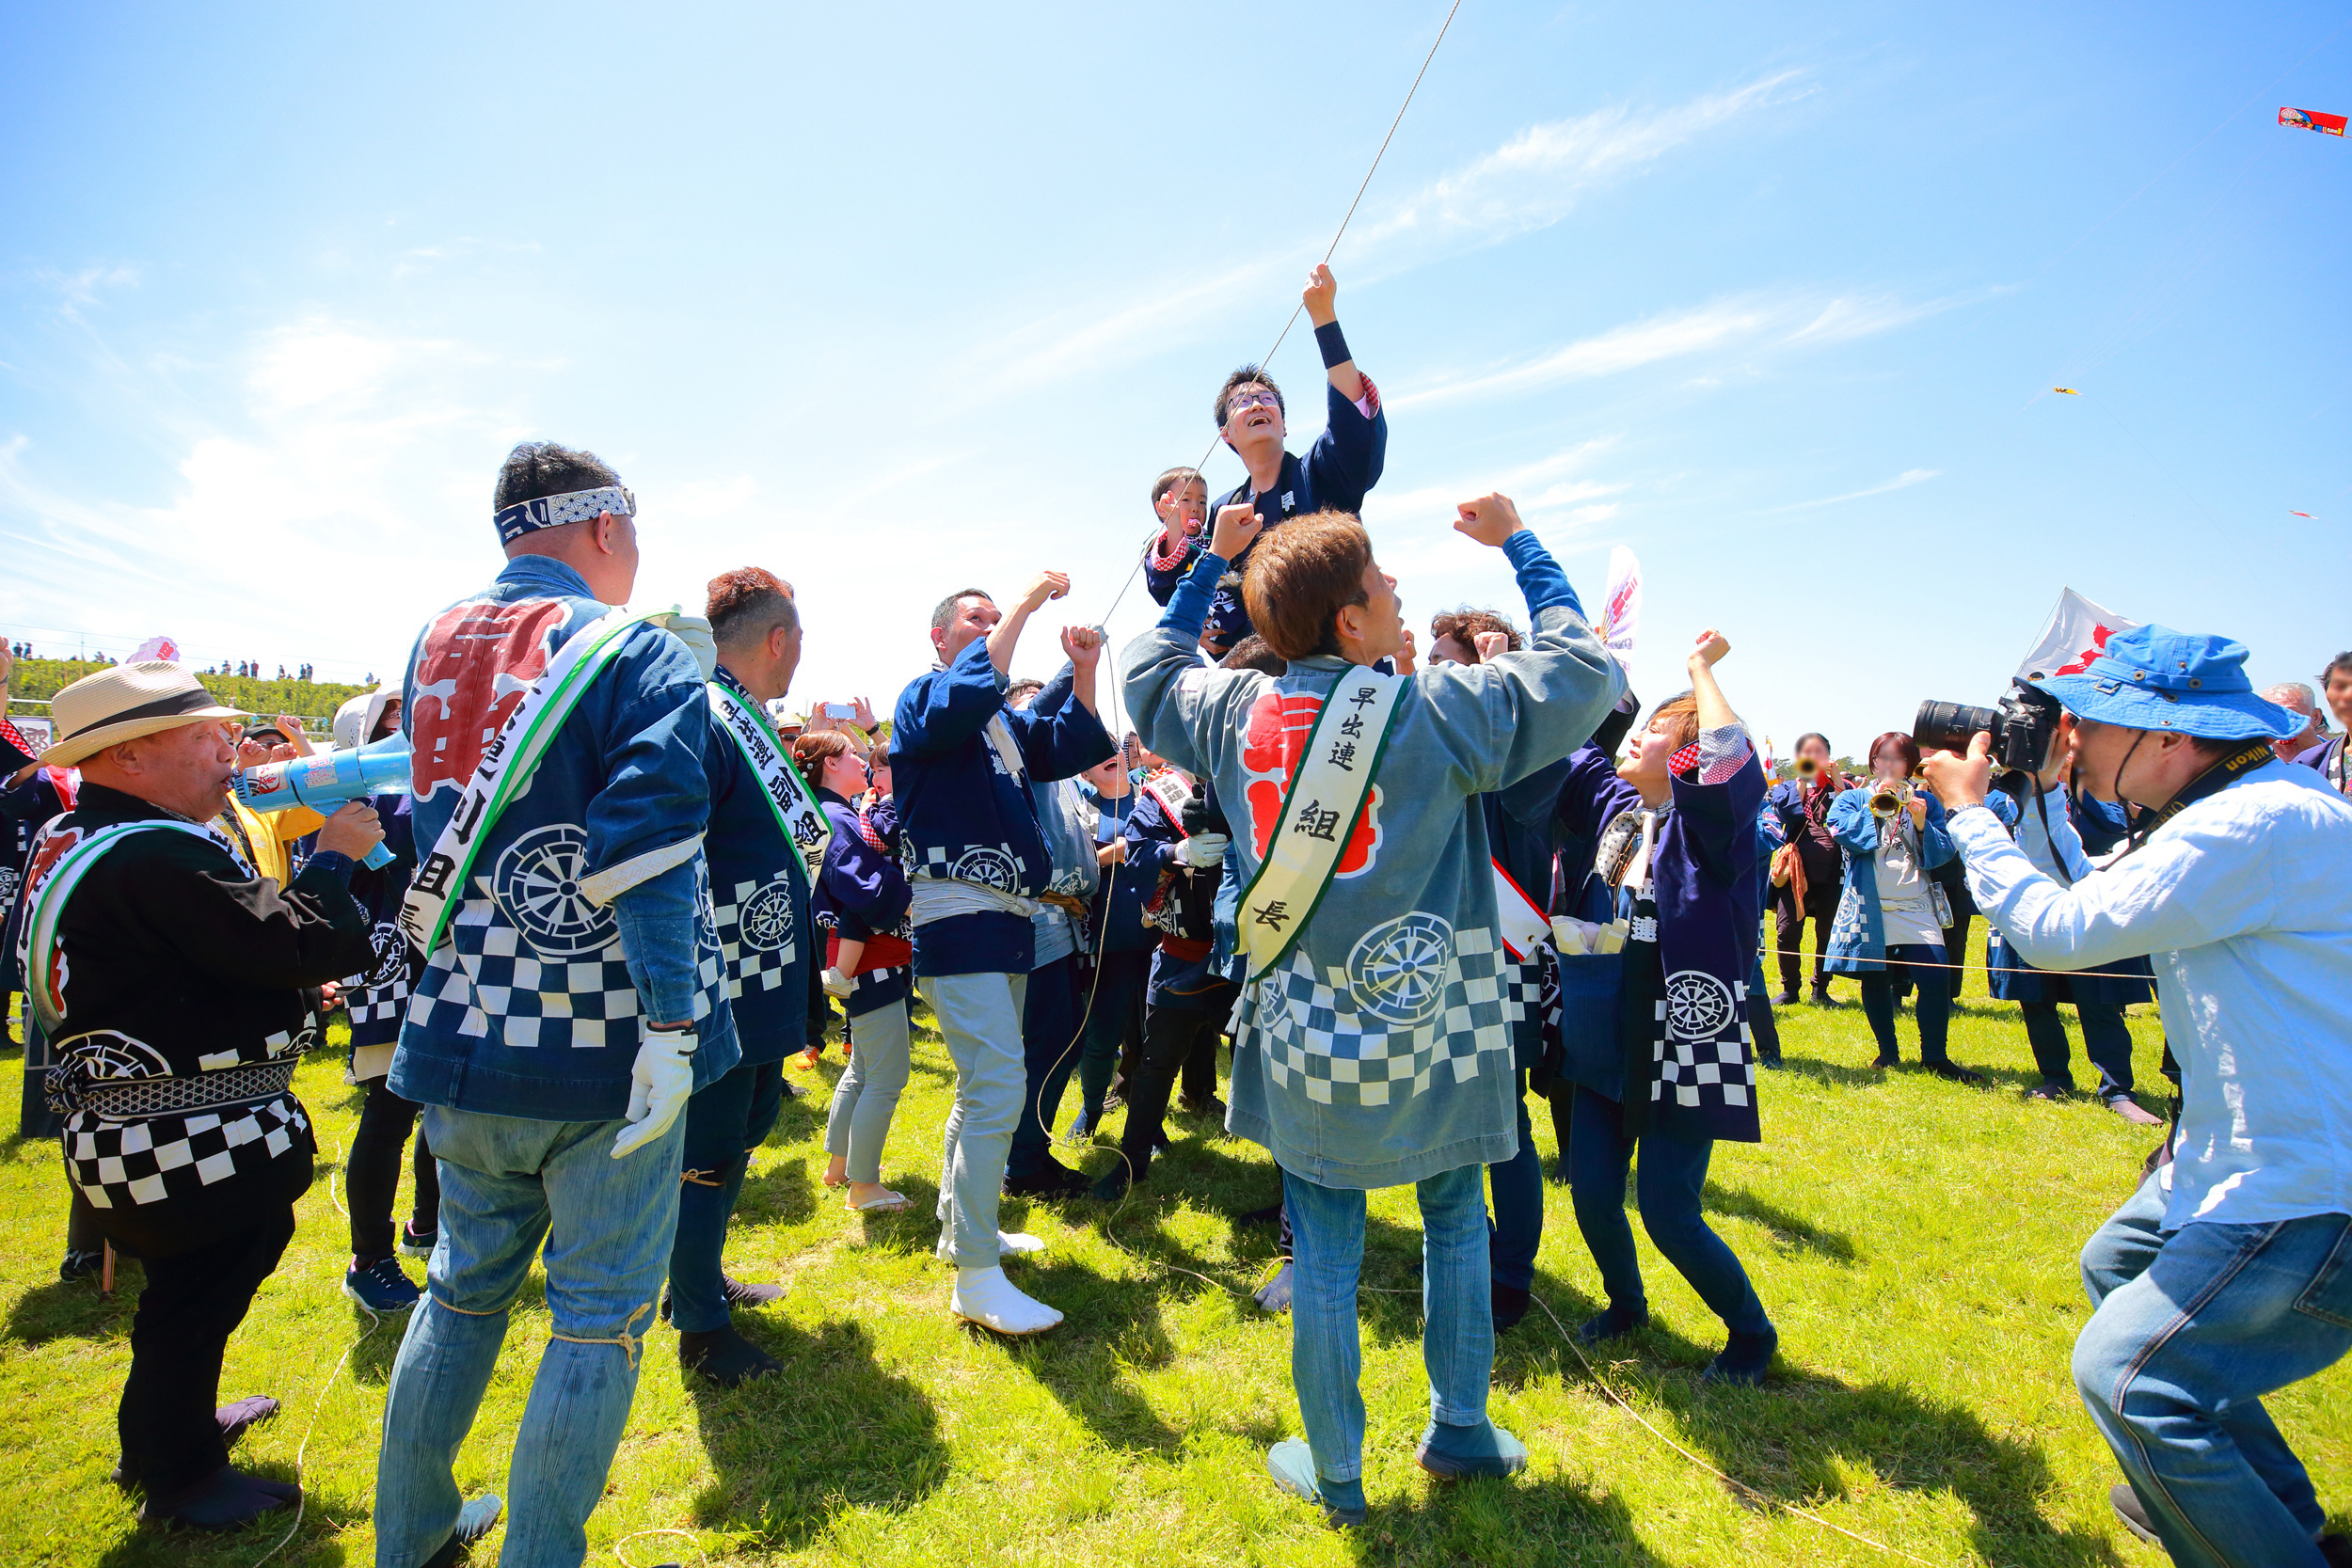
688,1536
1768,950
302,1500
1769,1503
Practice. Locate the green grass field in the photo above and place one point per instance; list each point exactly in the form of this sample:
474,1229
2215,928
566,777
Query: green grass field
1914,1239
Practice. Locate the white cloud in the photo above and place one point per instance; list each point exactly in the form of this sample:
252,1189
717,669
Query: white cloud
1786,320
1903,480
1532,180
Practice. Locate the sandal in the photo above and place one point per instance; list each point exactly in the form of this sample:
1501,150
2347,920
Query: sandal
885,1202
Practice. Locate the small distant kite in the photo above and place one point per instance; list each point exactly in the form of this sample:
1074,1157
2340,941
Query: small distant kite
2312,120
2292,513
2068,390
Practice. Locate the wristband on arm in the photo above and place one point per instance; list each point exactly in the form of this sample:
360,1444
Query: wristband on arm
1334,344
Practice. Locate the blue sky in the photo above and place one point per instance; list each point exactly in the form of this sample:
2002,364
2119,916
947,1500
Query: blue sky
894,300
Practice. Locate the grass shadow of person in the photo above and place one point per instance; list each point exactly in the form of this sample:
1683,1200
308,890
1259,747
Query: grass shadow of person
1790,1229
63,1310
834,1430
1799,1438
1519,1522
785,1193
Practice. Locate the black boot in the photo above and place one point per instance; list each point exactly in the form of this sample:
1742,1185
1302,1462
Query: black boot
725,1357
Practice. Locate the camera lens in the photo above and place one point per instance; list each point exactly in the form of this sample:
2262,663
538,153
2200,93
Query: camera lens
1946,727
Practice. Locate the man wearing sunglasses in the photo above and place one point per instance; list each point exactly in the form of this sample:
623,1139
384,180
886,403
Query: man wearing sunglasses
1343,465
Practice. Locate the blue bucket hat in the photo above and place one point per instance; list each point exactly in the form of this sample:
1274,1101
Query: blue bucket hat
2156,679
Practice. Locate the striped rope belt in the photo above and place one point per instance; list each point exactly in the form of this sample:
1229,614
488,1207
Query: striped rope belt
125,1099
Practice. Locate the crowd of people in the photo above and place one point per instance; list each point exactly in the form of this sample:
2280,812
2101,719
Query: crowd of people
1413,890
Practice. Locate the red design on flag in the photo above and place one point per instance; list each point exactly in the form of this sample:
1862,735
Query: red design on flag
1278,733
476,662
2081,661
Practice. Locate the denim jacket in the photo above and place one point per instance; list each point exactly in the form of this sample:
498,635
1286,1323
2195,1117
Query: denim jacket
1858,938
1347,1082
588,909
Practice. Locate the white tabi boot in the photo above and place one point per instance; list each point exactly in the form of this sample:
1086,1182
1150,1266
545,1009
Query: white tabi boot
986,1297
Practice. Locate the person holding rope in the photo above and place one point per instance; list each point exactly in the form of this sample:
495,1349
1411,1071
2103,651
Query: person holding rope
1338,472
976,862
765,831
1373,1048
2228,1275
171,977
574,998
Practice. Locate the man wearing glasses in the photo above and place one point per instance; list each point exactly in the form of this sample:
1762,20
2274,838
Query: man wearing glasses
1337,471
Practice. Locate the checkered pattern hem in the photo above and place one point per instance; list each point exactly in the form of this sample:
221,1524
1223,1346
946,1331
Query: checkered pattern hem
1417,1004
119,1164
1693,1072
757,923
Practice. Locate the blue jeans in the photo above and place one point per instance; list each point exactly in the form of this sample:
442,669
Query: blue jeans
1049,1048
1517,1229
2192,1327
724,1122
1934,993
979,1017
507,1184
1673,1174
1457,1344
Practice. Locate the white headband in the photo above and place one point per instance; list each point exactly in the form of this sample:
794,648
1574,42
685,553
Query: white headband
577,506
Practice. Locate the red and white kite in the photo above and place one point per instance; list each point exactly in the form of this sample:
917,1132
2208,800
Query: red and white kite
2312,120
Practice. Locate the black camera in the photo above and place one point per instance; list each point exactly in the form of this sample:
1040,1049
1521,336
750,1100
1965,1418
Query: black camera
2023,725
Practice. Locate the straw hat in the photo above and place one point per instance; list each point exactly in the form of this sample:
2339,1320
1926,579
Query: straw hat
122,704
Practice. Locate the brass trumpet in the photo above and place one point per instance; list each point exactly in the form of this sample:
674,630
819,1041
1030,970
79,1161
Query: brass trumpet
1889,798
1807,767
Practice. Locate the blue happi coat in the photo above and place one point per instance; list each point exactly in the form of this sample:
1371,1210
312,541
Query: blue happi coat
964,817
862,893
1858,938
759,896
588,911
1377,1051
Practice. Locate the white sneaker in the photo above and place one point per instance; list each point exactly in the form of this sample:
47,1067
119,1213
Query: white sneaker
986,1297
1018,1241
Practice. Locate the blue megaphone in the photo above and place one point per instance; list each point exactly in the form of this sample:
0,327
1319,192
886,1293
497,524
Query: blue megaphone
326,781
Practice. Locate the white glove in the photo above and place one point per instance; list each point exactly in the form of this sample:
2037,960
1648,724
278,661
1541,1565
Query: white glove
694,632
1205,849
836,984
660,1086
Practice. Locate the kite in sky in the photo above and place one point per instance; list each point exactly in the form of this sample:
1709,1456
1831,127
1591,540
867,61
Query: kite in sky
2292,513
2068,390
2312,120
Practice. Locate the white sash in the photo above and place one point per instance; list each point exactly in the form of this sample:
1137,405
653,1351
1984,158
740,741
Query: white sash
1319,814
506,767
798,816
1524,927
1168,788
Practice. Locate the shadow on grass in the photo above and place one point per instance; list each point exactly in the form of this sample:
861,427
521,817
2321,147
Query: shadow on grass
1517,1523
1794,1439
832,1430
1791,1230
75,1311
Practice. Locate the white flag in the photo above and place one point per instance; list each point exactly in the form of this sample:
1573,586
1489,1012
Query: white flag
156,647
1621,606
2077,629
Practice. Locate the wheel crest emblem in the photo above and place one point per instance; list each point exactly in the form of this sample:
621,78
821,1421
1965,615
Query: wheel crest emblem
1398,968
1698,1005
766,922
391,955
538,886
991,868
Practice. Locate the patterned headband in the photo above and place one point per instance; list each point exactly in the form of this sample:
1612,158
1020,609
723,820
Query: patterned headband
577,506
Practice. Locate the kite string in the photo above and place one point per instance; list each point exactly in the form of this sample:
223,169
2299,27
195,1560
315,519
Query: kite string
1210,452
1328,252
